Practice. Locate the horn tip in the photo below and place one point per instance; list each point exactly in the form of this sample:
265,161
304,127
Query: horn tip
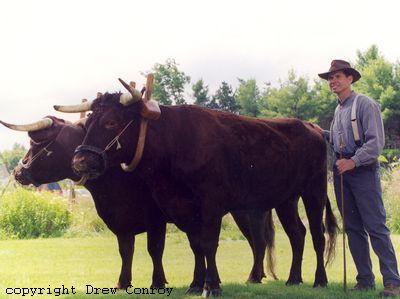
4,124
56,107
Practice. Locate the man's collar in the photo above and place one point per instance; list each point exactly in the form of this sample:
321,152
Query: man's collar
346,100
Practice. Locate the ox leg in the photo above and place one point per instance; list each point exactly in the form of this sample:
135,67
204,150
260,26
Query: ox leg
196,287
126,247
252,226
314,204
209,241
289,217
155,247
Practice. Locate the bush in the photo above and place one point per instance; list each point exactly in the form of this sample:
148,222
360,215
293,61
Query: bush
392,154
25,214
391,195
85,221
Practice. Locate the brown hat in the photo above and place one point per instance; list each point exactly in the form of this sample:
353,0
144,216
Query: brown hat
340,65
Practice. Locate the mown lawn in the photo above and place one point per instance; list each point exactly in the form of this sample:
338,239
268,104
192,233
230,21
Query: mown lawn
95,261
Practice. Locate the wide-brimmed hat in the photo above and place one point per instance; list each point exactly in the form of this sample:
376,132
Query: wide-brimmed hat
341,65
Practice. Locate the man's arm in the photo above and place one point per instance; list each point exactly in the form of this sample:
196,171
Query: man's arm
374,136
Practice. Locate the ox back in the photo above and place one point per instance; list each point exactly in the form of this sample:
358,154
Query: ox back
244,162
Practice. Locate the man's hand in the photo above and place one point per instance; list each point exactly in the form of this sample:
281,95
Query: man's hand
318,128
344,165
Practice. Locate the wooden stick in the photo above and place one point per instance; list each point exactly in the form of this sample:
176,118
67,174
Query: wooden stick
149,87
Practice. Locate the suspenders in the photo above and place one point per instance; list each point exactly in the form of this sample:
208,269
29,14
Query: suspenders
354,125
354,121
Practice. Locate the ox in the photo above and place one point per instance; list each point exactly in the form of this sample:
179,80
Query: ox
125,203
205,163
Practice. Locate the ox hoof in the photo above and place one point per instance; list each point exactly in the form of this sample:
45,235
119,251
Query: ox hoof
121,285
194,291
211,293
320,285
157,286
294,281
253,280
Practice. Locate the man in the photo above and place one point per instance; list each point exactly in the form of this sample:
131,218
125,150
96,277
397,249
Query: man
357,161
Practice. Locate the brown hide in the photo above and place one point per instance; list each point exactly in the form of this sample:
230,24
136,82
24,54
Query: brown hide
202,163
239,161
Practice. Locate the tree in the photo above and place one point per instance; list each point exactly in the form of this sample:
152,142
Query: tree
381,81
169,83
10,158
325,102
294,98
200,93
363,58
247,97
224,99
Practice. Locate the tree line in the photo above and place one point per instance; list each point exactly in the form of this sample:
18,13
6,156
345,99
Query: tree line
295,96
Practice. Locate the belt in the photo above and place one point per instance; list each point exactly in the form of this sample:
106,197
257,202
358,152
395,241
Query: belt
344,155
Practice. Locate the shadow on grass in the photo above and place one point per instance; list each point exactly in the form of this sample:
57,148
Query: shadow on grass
269,289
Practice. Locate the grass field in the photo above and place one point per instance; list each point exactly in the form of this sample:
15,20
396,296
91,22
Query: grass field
88,255
77,262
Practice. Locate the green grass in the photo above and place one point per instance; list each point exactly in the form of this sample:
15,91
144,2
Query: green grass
95,261
88,255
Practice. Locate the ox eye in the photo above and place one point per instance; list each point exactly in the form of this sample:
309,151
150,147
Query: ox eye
110,124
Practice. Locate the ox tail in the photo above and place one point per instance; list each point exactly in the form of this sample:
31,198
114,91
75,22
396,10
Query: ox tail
270,240
332,229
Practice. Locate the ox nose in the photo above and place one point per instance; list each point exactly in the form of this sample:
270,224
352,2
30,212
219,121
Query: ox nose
79,164
19,176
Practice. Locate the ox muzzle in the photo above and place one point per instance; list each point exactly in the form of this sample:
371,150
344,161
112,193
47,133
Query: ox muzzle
24,176
89,161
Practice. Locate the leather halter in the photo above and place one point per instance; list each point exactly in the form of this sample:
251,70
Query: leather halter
102,153
25,167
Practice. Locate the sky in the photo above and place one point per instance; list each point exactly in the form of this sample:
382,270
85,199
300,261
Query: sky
59,52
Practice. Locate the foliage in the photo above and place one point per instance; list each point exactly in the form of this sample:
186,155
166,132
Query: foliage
247,97
84,220
169,83
324,103
391,155
224,99
391,195
380,81
10,158
200,93
294,98
25,214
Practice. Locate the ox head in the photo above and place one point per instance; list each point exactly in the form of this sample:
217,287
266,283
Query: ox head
111,131
48,159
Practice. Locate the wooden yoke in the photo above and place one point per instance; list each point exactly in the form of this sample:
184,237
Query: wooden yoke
151,110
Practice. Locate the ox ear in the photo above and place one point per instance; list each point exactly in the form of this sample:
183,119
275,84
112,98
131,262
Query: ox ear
36,126
85,106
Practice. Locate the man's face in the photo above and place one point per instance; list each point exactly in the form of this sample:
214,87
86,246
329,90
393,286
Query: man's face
339,82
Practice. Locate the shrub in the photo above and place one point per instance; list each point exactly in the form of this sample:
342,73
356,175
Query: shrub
25,214
85,221
392,154
391,195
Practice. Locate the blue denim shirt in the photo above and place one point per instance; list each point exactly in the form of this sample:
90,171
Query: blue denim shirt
370,127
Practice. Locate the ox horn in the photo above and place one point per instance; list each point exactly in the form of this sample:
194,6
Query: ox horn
85,106
36,126
133,96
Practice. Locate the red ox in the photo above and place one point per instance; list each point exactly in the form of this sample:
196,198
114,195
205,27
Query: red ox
201,164
125,203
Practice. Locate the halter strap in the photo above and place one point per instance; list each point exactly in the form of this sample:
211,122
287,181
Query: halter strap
139,148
